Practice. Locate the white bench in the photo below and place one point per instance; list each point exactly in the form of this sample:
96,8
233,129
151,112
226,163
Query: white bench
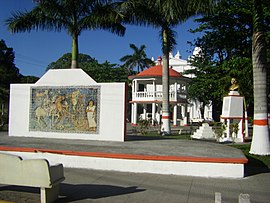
33,173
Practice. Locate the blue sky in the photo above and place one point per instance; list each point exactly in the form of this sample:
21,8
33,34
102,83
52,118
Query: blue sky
36,49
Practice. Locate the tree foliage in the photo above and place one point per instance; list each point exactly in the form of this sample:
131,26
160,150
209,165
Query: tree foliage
105,72
226,52
137,59
9,73
72,16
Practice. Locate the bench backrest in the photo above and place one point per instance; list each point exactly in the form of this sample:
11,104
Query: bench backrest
30,172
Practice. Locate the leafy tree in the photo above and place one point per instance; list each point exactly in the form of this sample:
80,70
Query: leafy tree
236,37
9,73
137,59
226,47
165,15
73,16
105,72
64,62
29,79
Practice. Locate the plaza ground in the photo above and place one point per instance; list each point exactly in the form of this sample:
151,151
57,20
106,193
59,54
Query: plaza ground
84,185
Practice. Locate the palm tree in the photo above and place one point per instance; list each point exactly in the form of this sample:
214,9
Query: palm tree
73,16
165,15
137,59
260,141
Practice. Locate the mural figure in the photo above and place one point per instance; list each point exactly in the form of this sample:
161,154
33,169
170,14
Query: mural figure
65,109
91,115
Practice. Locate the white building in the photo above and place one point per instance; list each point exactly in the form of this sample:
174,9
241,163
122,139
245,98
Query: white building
146,100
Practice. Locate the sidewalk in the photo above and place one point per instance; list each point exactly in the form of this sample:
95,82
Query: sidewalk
116,187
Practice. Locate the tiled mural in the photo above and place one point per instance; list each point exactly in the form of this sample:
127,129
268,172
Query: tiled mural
65,109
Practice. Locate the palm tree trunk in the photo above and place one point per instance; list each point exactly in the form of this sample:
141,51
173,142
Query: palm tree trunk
166,127
75,52
260,141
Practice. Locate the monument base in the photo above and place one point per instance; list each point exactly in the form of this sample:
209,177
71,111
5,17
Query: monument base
232,117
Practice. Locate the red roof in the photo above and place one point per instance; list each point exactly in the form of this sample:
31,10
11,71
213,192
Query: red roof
156,71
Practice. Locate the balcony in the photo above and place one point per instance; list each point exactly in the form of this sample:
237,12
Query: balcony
157,96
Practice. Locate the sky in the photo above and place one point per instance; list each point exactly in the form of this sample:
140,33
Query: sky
35,50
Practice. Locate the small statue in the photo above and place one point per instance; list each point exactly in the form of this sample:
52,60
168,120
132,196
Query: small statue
235,85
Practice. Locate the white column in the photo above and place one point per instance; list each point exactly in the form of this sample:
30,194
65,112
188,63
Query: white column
153,113
246,124
135,114
158,114
135,88
175,115
154,90
240,135
228,128
185,115
175,90
144,111
132,113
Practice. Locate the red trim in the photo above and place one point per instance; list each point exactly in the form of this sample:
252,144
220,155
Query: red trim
165,117
129,156
133,124
236,117
261,122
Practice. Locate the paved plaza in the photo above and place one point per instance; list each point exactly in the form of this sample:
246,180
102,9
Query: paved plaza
85,185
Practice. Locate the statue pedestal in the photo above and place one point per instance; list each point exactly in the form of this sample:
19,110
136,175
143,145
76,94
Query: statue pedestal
232,117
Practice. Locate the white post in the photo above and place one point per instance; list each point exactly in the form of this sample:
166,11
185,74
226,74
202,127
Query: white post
175,91
158,115
135,89
153,113
175,115
228,127
154,90
132,113
240,134
185,117
144,111
246,124
135,114
244,198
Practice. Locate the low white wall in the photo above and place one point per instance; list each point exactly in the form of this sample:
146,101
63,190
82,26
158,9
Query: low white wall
112,109
201,169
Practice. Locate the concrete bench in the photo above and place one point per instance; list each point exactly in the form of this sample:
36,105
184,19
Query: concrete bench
32,173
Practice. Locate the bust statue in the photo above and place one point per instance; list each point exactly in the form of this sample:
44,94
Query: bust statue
235,85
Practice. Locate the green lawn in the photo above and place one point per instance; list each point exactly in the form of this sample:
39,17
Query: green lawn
253,160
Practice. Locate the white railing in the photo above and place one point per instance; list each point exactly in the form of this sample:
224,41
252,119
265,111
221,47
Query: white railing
157,96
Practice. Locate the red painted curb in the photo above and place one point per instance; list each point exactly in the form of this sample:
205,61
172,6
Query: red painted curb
129,156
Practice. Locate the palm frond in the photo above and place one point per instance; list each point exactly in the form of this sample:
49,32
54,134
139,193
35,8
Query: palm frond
38,18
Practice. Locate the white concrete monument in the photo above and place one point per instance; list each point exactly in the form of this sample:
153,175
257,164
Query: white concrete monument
204,132
68,104
233,115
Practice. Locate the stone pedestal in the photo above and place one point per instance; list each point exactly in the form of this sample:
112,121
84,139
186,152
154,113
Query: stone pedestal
232,117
